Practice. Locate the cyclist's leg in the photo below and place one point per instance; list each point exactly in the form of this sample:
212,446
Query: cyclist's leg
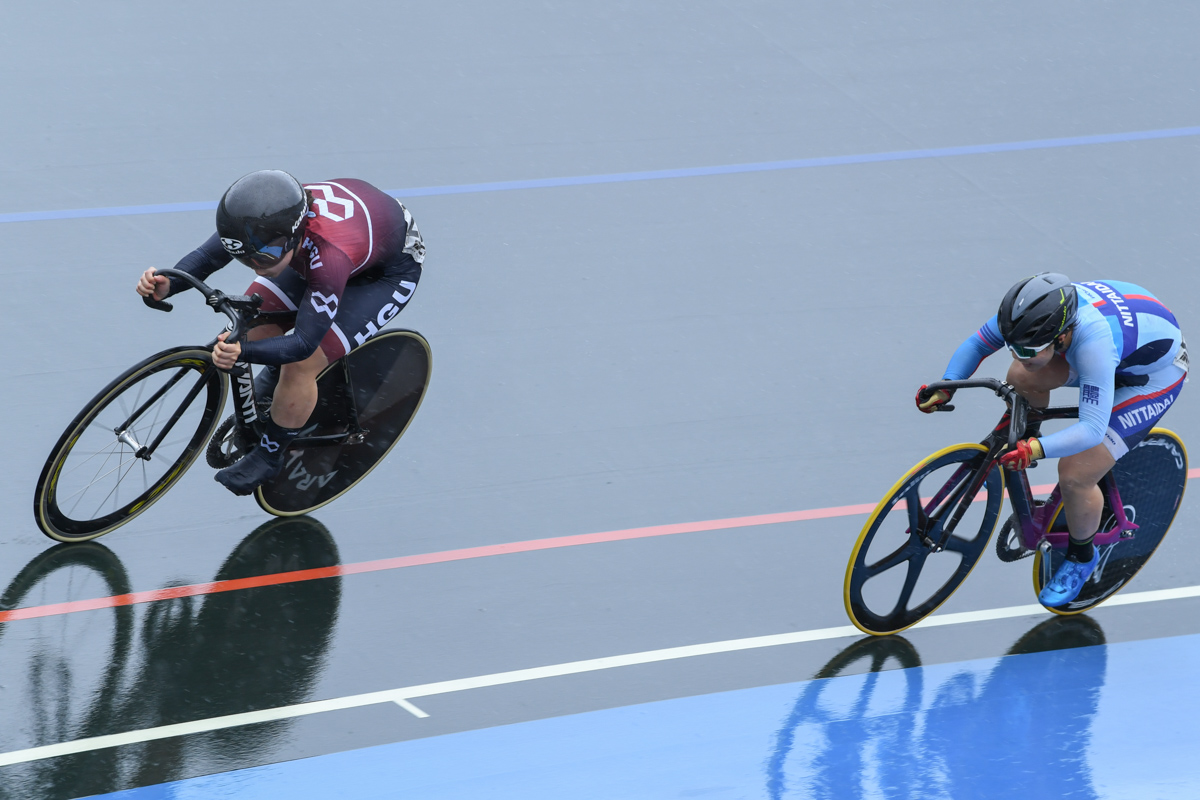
296,394
295,398
1136,409
1079,478
367,305
370,306
281,293
292,400
1034,380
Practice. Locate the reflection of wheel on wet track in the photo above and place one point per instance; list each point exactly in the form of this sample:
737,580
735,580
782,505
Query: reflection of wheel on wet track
93,558
129,444
879,651
1152,478
896,576
833,731
273,640
381,384
63,674
1059,633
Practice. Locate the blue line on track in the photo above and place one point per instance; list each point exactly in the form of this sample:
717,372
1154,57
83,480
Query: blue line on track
1091,722
655,175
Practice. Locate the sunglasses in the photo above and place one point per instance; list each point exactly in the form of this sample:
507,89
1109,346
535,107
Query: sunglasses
268,255
1026,353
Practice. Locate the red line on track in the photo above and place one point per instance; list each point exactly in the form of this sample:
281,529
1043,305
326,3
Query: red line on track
278,578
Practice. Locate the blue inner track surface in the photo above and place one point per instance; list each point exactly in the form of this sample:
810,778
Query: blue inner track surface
685,172
1078,723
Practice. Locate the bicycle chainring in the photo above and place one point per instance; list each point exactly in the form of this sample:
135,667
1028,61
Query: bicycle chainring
1009,547
226,446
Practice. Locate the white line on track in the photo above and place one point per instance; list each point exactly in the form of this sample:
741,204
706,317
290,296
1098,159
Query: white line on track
401,697
410,708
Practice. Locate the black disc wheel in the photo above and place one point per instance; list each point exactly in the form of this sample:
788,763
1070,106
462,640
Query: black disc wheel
130,444
906,563
1151,479
380,385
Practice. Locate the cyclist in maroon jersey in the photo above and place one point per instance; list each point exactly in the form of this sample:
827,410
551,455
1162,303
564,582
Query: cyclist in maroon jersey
345,256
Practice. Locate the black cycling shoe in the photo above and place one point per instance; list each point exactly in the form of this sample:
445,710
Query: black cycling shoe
251,471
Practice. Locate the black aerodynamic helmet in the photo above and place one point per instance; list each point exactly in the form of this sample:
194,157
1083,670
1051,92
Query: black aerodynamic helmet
1037,310
260,217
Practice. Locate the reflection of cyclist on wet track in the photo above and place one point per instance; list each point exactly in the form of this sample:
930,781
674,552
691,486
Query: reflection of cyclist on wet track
343,255
172,660
1035,712
1121,347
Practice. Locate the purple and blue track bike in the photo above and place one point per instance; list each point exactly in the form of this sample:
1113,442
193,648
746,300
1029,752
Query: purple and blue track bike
906,564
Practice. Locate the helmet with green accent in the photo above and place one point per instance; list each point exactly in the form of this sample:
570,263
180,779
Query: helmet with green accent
1037,310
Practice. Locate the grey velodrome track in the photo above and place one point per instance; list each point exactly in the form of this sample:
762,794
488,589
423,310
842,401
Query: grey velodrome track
605,356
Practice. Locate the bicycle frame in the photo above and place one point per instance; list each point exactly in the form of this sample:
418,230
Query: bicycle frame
244,314
1035,521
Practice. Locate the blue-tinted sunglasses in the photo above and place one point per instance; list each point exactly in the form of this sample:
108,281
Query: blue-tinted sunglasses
268,255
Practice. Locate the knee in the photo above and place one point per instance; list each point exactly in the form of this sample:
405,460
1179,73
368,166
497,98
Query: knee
1074,485
1048,377
1072,479
1022,378
264,332
306,370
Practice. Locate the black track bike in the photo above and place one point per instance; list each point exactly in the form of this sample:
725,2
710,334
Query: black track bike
135,439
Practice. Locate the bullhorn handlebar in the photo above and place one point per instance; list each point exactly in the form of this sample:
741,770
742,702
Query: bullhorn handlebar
1018,406
229,305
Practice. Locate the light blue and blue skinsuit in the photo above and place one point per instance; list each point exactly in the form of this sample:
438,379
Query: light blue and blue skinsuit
1127,356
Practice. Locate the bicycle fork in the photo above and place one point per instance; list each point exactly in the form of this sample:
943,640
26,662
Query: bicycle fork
125,433
960,498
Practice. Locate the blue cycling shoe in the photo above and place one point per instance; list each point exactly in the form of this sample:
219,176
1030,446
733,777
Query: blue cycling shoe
1067,581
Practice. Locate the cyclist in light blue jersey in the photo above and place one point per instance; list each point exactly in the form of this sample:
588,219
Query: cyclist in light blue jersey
1121,347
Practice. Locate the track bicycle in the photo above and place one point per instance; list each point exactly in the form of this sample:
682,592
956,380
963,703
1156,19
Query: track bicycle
137,437
906,564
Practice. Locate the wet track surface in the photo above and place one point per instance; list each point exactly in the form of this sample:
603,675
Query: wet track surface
608,356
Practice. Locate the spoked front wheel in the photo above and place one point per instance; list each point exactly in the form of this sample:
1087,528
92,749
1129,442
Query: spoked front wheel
896,575
130,444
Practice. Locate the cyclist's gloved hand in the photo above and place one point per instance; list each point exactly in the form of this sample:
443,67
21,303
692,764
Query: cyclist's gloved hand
928,401
1025,453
